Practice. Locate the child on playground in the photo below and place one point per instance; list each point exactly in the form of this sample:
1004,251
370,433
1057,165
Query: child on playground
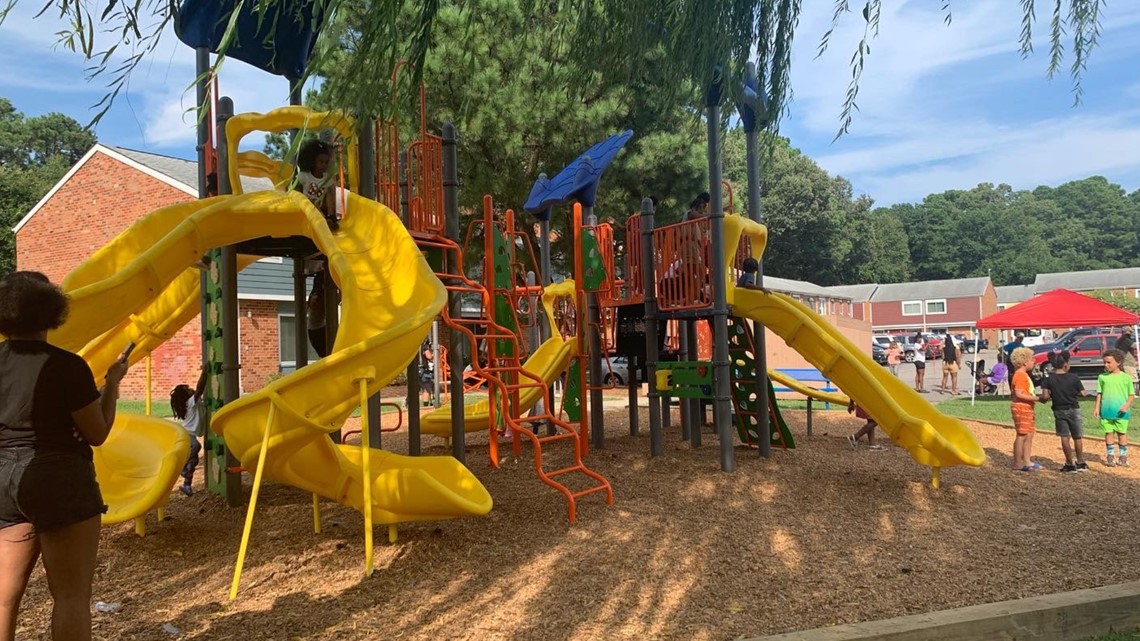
919,363
1064,389
867,430
185,403
313,179
1022,400
749,268
894,357
1114,396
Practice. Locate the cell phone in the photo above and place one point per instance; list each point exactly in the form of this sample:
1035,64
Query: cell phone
127,352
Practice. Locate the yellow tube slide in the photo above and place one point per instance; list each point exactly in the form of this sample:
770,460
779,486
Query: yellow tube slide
390,296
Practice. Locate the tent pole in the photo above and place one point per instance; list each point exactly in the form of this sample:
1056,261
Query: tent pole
974,387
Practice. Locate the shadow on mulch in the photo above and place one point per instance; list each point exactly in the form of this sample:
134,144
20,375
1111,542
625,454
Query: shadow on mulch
817,536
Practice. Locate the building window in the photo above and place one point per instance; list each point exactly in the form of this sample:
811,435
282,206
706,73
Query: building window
287,345
912,308
936,306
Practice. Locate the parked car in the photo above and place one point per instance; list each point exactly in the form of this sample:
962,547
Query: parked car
906,342
616,371
1066,340
882,340
879,353
1085,355
967,343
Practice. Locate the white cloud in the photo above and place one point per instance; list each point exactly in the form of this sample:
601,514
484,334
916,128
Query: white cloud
935,111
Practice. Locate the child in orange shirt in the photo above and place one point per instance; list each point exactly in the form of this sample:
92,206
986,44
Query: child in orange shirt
1022,401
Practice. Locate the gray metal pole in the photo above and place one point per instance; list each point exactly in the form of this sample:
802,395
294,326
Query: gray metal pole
454,302
231,360
649,285
412,398
435,370
755,212
692,412
631,372
366,161
202,68
722,401
547,325
300,317
593,311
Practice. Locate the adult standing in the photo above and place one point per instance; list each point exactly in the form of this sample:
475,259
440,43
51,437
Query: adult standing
1012,345
1127,344
51,414
919,362
951,364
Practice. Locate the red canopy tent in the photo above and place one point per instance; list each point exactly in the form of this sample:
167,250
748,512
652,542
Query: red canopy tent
1059,308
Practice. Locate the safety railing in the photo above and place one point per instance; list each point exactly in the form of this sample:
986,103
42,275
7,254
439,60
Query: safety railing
425,185
388,164
682,263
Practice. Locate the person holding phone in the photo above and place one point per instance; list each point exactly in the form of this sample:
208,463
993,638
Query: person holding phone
51,415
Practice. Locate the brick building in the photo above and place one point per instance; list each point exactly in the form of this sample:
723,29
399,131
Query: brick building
107,190
938,306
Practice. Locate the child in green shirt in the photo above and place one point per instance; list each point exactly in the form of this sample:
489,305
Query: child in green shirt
1114,396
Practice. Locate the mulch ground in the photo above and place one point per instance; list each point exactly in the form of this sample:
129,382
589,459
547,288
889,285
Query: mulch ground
818,536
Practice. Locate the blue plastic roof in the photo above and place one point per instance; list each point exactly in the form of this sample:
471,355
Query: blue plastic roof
578,181
279,41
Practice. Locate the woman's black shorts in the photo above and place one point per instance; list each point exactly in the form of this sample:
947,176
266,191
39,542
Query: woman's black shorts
50,490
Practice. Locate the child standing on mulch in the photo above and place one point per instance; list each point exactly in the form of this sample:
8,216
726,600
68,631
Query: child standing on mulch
868,428
1022,400
1114,396
894,357
1064,389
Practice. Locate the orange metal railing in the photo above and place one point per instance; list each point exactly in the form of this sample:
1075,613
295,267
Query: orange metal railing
425,185
682,265
388,164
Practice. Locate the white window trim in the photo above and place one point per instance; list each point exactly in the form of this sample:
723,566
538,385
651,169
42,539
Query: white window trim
904,303
927,303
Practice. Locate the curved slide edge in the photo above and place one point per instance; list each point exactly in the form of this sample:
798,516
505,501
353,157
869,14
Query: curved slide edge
931,438
806,390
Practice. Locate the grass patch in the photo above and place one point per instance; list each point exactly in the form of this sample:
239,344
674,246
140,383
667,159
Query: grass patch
996,408
159,409
1118,636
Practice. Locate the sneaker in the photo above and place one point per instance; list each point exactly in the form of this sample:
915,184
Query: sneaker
1068,469
1110,461
852,441
187,490
1035,467
878,448
1123,461
1082,466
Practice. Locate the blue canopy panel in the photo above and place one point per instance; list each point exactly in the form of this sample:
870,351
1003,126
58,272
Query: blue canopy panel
578,181
279,40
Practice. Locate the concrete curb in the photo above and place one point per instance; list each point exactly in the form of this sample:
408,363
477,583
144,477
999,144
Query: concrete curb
1067,616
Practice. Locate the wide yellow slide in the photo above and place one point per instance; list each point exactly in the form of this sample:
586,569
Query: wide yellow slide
142,287
807,390
546,363
930,437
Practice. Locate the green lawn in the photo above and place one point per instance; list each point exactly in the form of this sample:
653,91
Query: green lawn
996,408
1118,636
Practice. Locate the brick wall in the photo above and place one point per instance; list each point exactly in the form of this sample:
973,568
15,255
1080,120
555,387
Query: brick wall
258,332
97,203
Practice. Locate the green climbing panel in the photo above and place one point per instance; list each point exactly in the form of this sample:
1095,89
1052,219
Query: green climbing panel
572,397
215,450
742,369
593,268
504,312
690,379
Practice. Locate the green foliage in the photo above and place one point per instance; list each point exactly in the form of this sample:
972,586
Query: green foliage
34,154
696,40
1122,300
1014,235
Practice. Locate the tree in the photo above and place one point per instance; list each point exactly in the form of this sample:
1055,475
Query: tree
1123,301
699,44
34,154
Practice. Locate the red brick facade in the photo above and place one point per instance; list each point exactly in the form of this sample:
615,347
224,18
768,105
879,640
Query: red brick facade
97,202
961,314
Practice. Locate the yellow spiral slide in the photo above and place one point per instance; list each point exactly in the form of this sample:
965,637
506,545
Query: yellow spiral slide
140,288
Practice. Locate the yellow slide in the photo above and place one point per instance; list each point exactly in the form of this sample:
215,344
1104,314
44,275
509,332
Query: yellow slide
806,390
139,288
931,438
547,363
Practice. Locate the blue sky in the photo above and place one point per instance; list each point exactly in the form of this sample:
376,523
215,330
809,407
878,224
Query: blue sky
942,107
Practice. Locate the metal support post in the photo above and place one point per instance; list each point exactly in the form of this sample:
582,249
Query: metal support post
366,160
753,111
691,409
649,283
231,359
300,313
454,302
722,400
632,369
593,312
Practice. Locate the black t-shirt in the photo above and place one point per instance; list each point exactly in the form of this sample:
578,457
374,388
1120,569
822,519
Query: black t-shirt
1064,390
40,386
1124,343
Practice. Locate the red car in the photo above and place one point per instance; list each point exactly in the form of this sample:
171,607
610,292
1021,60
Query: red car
1085,355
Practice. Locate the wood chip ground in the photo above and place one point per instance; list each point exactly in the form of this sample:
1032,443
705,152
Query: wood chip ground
817,536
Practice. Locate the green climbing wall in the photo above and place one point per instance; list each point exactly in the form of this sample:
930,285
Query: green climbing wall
215,450
572,397
593,269
742,369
